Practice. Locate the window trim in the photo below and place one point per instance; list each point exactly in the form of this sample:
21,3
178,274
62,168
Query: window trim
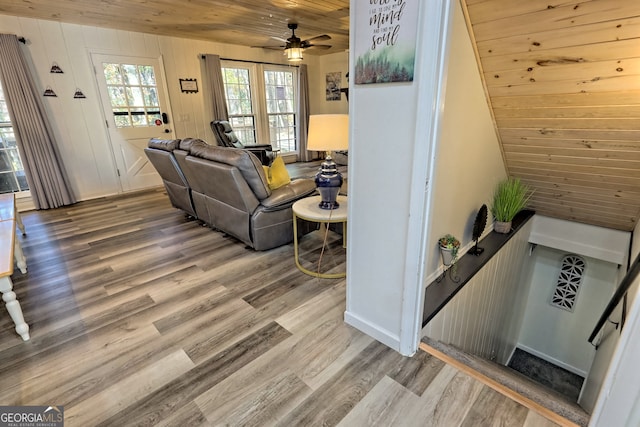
20,193
259,100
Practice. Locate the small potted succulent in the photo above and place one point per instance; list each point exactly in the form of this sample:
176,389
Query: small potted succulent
449,247
509,197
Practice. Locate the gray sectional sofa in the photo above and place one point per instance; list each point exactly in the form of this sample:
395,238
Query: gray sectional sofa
227,189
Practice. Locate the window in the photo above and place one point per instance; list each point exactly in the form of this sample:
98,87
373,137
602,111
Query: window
261,100
237,88
281,112
12,177
133,94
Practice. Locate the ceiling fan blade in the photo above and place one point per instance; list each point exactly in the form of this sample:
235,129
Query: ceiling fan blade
270,47
317,46
321,38
280,39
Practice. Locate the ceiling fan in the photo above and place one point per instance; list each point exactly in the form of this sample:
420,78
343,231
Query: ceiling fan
293,46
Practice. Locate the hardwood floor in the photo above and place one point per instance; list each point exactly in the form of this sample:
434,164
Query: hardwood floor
141,316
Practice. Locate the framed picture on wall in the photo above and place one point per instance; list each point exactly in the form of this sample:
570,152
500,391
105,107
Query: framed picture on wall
189,85
333,85
385,41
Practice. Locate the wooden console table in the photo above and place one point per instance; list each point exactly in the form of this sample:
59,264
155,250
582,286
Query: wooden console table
10,249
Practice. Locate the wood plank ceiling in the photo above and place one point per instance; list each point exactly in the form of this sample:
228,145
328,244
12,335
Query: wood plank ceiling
562,78
563,81
241,22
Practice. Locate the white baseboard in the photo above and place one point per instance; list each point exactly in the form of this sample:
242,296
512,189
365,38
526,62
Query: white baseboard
513,350
556,362
374,331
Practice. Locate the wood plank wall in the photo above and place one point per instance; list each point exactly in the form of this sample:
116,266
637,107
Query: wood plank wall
484,318
563,81
79,123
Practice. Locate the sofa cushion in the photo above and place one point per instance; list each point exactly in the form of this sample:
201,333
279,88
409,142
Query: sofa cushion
277,174
186,143
163,144
247,163
284,196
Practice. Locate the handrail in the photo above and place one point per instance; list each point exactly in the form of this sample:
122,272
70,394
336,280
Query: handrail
624,286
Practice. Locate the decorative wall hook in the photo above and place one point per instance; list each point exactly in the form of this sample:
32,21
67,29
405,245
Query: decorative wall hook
78,94
55,69
49,92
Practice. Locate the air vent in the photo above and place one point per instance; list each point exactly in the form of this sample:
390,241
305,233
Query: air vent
569,281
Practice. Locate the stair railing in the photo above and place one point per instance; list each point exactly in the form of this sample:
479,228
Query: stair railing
618,295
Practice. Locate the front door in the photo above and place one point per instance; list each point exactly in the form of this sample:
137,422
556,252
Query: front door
136,109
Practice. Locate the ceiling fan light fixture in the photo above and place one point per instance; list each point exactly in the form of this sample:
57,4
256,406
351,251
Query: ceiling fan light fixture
294,54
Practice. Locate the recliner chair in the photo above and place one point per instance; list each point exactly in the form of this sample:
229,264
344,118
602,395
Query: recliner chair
227,138
233,189
161,154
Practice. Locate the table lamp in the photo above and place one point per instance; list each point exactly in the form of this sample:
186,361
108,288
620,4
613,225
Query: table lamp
328,132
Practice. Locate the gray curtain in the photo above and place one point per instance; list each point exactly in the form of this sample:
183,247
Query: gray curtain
43,165
303,116
213,75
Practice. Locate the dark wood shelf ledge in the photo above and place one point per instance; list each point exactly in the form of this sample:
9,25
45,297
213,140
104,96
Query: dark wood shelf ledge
438,294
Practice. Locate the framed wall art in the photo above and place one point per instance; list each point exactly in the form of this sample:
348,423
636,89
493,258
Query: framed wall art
189,85
385,41
333,85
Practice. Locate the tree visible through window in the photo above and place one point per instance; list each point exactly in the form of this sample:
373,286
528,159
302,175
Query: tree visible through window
12,176
280,95
237,87
261,100
133,94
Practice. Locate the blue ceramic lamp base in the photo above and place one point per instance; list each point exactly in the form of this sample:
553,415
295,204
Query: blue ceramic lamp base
328,183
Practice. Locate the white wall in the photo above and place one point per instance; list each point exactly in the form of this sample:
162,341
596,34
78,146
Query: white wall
392,132
590,240
337,62
619,402
611,372
79,123
392,129
557,335
468,162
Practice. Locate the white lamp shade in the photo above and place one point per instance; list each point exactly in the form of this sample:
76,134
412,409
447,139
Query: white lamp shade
328,132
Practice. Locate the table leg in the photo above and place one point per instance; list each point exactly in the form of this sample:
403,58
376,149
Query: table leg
297,257
19,256
344,234
295,241
19,222
13,307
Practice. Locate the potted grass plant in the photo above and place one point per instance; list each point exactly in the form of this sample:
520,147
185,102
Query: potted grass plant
510,196
449,247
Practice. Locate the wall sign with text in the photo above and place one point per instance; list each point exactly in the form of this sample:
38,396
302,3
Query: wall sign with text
189,85
385,41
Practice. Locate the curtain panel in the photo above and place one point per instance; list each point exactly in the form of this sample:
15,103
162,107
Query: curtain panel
213,75
36,141
303,116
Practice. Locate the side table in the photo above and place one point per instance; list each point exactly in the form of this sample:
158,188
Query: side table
308,210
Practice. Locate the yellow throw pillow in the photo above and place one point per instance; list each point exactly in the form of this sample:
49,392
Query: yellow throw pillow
277,174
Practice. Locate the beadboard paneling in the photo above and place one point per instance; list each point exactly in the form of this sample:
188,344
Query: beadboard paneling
484,318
